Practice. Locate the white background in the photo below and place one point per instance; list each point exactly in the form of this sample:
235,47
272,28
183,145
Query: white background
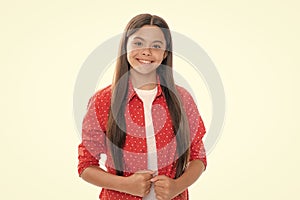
254,45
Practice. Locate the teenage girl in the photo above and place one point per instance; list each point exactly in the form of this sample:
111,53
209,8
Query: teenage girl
148,127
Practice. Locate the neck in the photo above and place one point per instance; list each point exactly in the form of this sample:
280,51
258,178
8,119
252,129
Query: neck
143,82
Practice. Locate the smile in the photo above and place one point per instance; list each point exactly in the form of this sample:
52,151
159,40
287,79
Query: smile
145,61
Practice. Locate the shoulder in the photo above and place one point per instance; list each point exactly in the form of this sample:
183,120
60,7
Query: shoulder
101,97
184,93
186,98
104,93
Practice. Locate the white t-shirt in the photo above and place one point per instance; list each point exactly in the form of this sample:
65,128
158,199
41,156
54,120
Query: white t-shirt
147,96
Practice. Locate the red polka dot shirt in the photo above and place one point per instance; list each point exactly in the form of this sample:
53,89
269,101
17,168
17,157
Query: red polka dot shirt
94,141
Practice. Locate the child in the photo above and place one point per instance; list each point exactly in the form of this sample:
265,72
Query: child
148,127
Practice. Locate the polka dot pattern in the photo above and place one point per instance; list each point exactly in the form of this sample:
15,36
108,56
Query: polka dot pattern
94,141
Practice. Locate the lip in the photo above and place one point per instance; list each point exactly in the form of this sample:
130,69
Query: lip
144,61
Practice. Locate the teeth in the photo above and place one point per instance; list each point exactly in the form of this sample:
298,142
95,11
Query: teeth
145,61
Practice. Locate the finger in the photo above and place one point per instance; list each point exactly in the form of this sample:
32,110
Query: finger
147,192
148,187
145,172
154,179
157,178
159,183
158,197
148,177
159,190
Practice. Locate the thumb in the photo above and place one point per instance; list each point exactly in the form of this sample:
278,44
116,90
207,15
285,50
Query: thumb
157,178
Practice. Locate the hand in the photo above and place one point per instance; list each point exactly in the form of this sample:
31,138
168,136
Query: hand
165,188
139,184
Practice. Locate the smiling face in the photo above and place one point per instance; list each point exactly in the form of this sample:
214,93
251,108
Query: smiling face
146,49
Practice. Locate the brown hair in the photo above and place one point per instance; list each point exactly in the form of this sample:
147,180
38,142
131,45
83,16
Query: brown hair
116,126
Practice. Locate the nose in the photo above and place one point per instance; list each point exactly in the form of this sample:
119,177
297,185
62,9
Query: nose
146,51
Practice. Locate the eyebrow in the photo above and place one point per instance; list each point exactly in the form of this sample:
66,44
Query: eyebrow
137,37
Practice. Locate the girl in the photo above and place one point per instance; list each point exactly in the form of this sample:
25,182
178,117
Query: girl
148,127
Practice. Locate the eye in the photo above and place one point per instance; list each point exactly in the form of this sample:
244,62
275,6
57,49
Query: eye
138,44
156,46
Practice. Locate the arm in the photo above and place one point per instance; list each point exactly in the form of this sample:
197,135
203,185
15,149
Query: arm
97,176
137,184
94,144
191,174
167,188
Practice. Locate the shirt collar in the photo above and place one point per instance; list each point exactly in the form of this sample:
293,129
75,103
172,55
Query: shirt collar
132,93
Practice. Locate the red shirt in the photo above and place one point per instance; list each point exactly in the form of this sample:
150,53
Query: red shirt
94,141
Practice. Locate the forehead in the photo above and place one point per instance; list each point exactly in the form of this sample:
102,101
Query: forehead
149,33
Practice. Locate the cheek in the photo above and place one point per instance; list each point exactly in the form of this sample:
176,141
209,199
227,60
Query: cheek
132,53
160,57
131,57
129,51
159,54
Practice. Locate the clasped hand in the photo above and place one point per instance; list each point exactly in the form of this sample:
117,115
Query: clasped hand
165,188
139,184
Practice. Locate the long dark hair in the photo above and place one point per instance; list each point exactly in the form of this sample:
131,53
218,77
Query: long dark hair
116,126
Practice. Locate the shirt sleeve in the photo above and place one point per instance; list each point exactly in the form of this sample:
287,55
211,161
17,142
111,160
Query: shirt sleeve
197,128
93,136
197,150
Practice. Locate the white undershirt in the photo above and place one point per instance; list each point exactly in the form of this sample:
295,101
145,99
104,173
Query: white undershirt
147,96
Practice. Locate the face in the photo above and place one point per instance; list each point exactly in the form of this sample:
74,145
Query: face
146,49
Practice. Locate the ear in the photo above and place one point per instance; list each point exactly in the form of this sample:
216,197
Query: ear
165,54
